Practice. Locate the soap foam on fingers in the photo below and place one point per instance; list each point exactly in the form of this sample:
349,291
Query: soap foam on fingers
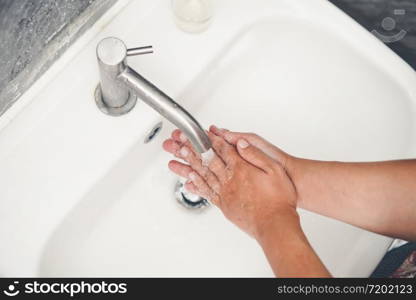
207,157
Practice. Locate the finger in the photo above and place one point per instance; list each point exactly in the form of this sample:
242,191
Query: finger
195,162
214,199
225,151
179,136
190,187
232,138
218,131
201,186
255,156
171,146
218,167
180,169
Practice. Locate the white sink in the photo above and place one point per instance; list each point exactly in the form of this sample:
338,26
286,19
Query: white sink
82,195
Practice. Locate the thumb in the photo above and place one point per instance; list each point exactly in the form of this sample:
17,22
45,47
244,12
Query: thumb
255,156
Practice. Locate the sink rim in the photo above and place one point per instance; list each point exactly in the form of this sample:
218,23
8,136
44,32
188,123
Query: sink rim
21,124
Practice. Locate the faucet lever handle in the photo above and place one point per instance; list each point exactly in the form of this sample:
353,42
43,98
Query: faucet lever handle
139,50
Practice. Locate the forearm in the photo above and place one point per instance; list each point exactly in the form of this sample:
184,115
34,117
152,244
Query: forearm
380,197
288,251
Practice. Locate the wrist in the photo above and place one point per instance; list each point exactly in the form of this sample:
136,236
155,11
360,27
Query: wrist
278,227
292,166
289,252
295,169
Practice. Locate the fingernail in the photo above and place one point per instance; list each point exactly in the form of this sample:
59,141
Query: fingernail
183,137
242,144
184,152
192,176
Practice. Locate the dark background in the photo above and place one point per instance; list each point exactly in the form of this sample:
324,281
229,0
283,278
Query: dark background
370,14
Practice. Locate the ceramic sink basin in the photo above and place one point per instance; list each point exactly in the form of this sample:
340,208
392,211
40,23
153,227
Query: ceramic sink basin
83,195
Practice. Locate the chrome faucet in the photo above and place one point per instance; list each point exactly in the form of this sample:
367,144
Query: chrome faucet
120,87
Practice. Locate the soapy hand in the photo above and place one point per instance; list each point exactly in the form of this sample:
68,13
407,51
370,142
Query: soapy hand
246,178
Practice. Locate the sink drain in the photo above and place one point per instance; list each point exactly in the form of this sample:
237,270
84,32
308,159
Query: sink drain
188,200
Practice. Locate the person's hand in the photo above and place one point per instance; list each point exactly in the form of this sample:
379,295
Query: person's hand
268,148
251,187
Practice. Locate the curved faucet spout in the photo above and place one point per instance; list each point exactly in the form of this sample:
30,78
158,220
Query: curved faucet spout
120,83
168,108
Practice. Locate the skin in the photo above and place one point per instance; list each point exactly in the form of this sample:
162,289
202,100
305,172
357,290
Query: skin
378,197
258,187
258,196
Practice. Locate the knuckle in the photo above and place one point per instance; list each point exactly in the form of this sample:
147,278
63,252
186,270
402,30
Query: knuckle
211,179
234,164
275,169
204,174
214,165
270,170
233,157
198,180
216,143
216,187
189,145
